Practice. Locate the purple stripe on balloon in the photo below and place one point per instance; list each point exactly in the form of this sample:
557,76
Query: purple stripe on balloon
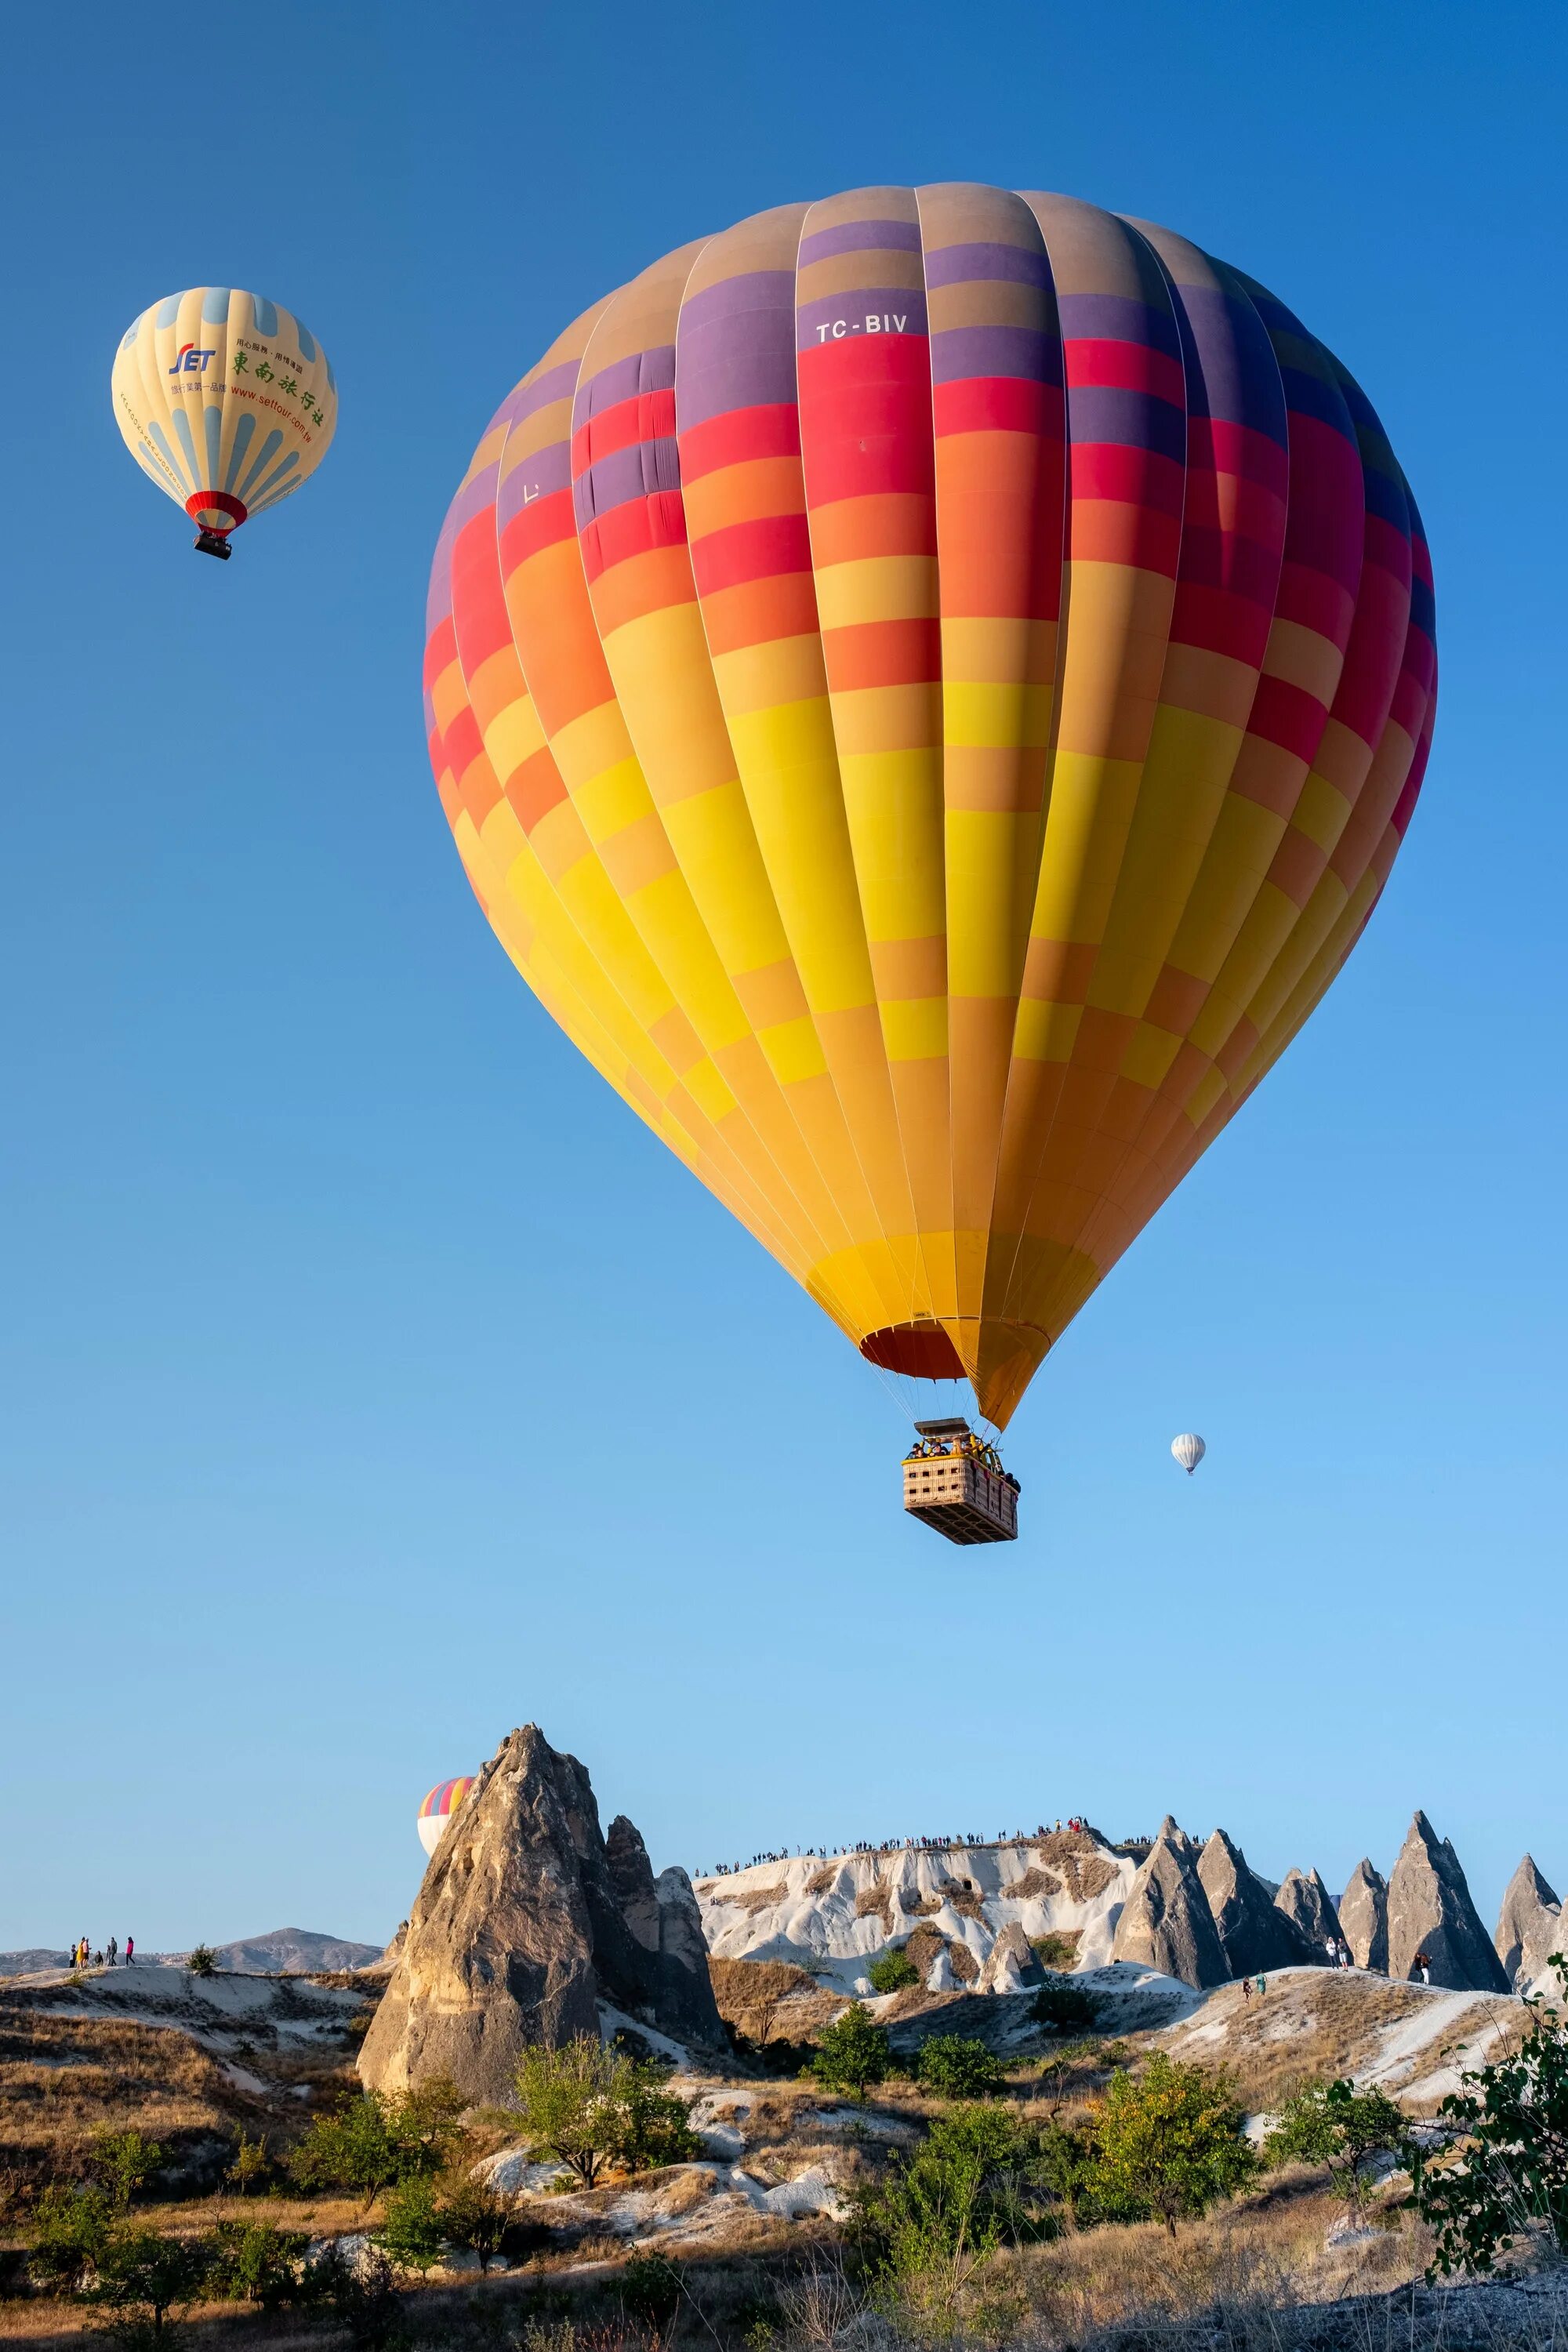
964,264
1133,420
548,471
439,600
556,384
1118,318
859,236
636,473
623,380
475,496
851,311
733,297
739,354
724,366
1230,366
960,351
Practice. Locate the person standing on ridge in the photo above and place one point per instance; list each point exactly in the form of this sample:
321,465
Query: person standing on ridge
129,1949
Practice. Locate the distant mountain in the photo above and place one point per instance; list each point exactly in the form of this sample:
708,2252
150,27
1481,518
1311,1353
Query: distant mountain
27,1964
294,1951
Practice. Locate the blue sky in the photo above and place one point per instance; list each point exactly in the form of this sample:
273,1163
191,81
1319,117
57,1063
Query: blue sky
370,1381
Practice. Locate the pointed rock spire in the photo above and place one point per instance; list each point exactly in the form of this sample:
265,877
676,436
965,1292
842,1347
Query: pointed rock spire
526,1925
1306,1899
1531,1926
1431,1911
1254,1932
1363,1916
1166,1922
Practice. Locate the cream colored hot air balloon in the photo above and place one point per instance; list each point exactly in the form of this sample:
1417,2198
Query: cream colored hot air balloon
227,402
1189,1451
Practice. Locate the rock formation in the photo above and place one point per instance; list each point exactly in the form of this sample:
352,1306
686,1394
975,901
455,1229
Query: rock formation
1531,1926
1364,1917
1431,1911
1010,1966
1254,1932
1307,1900
527,1927
1166,1922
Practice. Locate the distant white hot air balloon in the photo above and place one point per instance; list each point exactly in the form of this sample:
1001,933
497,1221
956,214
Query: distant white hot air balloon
1189,1451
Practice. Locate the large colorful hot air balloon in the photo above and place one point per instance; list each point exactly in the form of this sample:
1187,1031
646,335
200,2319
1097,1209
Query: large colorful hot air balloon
227,402
928,687
439,1808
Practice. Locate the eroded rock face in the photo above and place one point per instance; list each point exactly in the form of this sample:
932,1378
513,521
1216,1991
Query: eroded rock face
1431,1911
1253,1930
1531,1926
527,1923
1166,1922
1364,1917
1307,1901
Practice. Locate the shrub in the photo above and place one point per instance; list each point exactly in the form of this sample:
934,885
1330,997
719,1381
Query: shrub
1168,2143
653,2126
956,2066
1064,2165
374,2140
893,1971
1065,2008
411,2234
853,2054
127,2162
71,2228
254,2262
1338,2126
1507,2176
1054,1952
939,2218
571,2103
203,1962
650,2290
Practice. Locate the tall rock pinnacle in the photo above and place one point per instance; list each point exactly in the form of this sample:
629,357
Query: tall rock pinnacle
526,1928
1431,1911
1532,1926
1166,1922
1254,1931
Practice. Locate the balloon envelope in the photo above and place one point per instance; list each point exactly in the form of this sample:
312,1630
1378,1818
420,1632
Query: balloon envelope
439,1808
224,400
928,687
1189,1451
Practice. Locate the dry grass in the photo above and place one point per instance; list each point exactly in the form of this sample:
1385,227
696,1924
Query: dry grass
876,1902
1034,1880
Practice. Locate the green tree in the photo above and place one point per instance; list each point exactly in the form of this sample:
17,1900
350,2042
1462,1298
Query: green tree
71,2228
251,2164
571,2103
254,2262
374,2139
935,2223
473,2216
892,1972
1168,2143
1506,2177
143,2277
203,1962
1064,2165
126,2161
1338,2126
650,2290
956,2066
654,2126
412,2231
1065,2008
853,2054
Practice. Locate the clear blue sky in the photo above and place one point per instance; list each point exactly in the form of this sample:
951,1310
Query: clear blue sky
372,1382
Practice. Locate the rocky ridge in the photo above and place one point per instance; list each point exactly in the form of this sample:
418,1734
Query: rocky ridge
1075,1900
